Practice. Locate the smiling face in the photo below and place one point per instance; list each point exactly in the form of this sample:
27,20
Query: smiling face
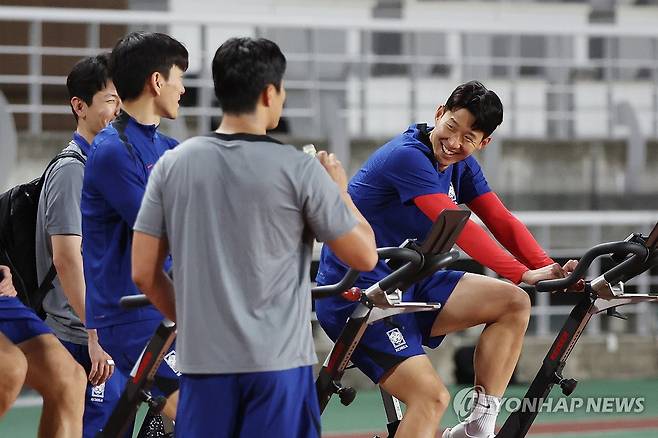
104,108
93,117
453,137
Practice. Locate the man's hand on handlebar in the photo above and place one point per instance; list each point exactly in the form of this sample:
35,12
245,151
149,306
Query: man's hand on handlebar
549,272
552,272
569,267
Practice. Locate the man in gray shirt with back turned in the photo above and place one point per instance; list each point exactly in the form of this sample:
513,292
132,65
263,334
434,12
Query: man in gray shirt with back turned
239,212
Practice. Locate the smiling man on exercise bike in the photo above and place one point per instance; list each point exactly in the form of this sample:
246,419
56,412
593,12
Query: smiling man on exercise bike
401,189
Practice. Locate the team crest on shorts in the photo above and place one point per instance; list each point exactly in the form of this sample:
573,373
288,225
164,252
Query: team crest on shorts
396,338
170,358
452,194
98,393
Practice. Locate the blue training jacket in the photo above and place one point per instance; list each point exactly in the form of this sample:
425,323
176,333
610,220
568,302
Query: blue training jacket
117,169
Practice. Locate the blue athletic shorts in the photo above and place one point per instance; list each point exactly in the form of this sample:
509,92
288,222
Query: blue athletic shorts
18,322
273,404
125,343
100,400
387,343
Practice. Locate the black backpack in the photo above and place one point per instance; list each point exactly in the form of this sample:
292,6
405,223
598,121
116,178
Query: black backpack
18,221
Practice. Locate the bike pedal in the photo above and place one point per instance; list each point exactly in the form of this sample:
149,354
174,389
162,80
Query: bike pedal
347,395
568,386
155,403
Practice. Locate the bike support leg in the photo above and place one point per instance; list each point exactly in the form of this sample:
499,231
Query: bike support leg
393,412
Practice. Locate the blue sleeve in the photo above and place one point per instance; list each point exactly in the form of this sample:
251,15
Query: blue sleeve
119,178
413,174
472,182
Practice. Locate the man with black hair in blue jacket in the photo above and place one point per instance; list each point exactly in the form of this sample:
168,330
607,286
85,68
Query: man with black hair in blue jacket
147,70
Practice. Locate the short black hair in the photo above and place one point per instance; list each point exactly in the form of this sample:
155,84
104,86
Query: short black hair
242,68
88,77
484,104
138,55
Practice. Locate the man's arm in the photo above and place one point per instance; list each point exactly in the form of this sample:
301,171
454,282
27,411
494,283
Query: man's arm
67,259
509,231
148,256
357,247
63,224
151,247
479,245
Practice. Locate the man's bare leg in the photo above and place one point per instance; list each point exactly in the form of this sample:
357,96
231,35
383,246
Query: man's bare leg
61,381
505,309
13,368
172,404
418,386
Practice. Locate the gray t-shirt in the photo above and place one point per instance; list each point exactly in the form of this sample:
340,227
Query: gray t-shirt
240,213
58,214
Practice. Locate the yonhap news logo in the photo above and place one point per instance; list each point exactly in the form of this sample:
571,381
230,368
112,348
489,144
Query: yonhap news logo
463,403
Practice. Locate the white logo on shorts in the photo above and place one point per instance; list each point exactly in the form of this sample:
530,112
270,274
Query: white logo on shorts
98,393
396,338
452,194
170,358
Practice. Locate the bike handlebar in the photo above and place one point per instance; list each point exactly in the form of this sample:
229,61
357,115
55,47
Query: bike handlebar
134,301
414,262
405,274
637,251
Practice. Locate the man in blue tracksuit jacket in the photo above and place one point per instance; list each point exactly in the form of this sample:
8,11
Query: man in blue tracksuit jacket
147,70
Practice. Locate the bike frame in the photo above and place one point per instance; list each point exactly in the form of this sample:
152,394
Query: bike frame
141,380
381,301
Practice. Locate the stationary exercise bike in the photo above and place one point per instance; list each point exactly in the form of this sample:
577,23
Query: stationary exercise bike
411,262
632,257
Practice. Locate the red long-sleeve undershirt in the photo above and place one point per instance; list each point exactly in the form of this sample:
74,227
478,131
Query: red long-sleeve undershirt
507,229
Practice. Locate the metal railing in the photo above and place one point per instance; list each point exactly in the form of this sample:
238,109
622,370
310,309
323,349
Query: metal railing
357,59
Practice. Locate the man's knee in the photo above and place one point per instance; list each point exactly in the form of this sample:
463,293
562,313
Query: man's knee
76,378
69,380
13,377
517,301
433,399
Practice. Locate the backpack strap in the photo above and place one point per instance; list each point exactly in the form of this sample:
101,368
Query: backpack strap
63,154
47,282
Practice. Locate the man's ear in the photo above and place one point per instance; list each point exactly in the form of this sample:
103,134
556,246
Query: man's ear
267,96
484,143
439,113
80,107
155,83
